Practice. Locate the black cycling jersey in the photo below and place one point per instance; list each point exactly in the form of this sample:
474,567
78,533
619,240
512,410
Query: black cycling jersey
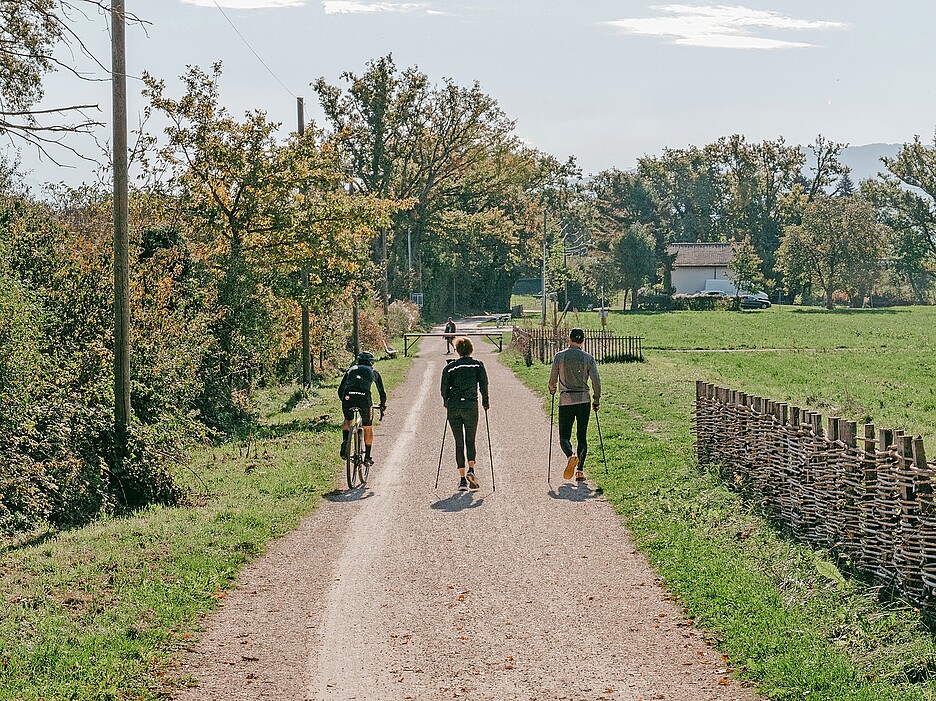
357,383
461,381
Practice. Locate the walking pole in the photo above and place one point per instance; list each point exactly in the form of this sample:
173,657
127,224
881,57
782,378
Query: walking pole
601,440
552,406
441,451
490,451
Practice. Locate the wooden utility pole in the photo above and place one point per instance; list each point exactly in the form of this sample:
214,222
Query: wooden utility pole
304,274
121,233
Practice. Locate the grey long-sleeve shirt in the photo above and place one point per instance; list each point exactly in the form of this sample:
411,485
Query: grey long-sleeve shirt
572,368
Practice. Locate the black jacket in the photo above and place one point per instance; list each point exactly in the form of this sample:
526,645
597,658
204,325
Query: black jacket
461,381
357,382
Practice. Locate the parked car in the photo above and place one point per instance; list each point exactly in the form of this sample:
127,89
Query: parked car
755,301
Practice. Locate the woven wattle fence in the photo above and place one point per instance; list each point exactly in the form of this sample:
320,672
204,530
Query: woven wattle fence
867,496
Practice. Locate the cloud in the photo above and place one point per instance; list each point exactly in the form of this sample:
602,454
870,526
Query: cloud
721,26
356,7
246,4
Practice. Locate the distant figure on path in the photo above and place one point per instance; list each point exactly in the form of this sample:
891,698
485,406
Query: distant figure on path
461,381
450,335
572,368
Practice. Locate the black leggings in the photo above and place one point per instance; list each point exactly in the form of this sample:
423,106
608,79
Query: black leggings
578,414
464,423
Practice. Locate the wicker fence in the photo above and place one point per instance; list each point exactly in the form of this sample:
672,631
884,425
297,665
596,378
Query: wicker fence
543,344
867,496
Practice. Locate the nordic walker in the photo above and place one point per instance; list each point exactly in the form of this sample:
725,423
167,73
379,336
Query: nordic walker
355,390
461,381
572,368
450,335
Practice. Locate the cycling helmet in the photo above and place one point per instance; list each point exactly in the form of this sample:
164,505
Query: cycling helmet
365,358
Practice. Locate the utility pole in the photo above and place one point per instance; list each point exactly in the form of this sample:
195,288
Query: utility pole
304,275
121,233
543,320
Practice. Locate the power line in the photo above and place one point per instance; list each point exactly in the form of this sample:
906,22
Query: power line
247,44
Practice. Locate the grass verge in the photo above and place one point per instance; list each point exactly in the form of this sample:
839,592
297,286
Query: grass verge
787,619
101,612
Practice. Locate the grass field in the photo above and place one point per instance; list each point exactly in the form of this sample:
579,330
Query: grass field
780,612
98,612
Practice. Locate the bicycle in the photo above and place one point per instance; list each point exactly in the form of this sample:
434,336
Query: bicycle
356,468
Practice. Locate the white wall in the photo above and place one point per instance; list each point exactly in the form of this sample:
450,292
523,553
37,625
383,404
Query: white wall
688,281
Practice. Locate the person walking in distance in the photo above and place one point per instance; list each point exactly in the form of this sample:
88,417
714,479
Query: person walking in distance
355,390
449,335
572,369
462,379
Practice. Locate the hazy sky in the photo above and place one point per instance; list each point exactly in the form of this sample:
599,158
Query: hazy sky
606,81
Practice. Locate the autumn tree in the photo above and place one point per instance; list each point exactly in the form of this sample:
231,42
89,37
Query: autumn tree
257,210
905,199
427,145
838,246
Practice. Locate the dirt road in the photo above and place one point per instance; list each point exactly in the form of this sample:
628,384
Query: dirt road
398,591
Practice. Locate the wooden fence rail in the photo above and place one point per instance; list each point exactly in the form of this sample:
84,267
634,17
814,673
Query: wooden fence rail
543,344
866,496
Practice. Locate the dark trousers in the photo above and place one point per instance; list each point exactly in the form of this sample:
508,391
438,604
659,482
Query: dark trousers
577,414
464,423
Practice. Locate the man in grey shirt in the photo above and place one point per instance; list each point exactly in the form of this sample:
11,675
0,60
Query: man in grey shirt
572,369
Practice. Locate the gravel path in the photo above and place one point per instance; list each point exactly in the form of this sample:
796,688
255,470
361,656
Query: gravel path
398,591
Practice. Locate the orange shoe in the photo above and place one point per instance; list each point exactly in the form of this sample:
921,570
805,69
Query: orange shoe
570,468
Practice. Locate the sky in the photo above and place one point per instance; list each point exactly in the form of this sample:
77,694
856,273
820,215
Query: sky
605,81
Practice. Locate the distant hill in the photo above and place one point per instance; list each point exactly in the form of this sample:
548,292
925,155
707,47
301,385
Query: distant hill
865,161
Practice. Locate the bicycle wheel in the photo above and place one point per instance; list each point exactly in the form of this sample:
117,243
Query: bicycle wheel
351,459
365,468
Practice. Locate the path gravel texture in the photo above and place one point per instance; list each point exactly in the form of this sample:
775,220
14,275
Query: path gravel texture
398,591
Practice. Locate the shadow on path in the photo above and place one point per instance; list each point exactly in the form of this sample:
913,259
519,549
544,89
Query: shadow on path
579,491
460,501
344,496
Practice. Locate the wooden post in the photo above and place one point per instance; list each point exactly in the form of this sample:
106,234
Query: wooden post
121,233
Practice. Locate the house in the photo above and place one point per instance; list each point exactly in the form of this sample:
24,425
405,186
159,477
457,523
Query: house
696,263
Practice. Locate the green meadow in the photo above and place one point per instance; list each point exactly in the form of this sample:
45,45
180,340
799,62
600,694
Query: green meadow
788,621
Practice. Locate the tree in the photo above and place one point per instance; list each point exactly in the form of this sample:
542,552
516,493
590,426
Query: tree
634,261
256,211
844,187
906,201
408,140
758,180
745,267
838,246
827,166
29,32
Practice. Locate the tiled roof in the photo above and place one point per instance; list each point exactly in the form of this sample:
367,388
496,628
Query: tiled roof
707,255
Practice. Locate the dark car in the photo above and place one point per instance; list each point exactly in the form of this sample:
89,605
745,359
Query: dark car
754,302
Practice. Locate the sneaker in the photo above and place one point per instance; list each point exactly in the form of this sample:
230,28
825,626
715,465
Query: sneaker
570,468
462,485
579,476
369,462
472,480
344,451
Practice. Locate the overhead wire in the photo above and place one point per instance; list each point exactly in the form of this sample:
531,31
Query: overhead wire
247,44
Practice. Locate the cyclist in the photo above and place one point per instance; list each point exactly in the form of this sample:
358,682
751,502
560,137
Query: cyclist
461,381
355,390
572,368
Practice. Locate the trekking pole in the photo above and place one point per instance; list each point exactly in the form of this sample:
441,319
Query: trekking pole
552,406
601,440
439,471
490,451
